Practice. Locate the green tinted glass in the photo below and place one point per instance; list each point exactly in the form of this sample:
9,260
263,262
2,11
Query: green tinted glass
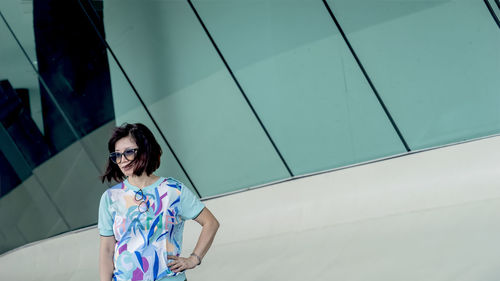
190,94
299,74
43,204
435,63
129,110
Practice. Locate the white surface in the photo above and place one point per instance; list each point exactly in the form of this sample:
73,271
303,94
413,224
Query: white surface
427,216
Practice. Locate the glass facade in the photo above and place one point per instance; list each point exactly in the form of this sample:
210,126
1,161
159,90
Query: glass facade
435,63
238,93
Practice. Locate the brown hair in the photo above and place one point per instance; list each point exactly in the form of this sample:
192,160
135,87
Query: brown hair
148,152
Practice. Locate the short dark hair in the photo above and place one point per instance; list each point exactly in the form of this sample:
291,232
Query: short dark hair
148,152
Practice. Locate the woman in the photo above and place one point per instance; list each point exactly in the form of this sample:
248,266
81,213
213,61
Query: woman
141,219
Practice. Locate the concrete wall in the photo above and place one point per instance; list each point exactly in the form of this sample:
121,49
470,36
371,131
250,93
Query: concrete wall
432,215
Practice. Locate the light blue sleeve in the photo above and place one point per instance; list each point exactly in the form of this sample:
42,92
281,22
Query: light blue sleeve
105,221
190,206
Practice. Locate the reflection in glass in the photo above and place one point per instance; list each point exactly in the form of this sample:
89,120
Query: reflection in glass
72,61
54,124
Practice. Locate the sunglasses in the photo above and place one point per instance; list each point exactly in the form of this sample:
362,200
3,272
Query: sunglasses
116,157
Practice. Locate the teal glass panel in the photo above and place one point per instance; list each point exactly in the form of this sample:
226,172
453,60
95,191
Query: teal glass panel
191,95
45,191
71,178
436,64
128,109
27,214
19,15
298,73
20,19
57,191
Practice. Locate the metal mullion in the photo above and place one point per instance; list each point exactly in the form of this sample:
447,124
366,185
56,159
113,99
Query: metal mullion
372,86
240,88
137,94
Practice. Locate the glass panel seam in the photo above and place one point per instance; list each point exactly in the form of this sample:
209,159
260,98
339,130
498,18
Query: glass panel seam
490,9
388,158
49,92
240,88
137,93
382,104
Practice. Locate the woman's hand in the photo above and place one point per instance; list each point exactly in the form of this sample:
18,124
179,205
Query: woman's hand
180,264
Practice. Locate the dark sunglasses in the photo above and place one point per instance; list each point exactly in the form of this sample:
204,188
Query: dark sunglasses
129,154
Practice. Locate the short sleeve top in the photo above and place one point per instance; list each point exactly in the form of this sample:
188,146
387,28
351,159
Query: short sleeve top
146,232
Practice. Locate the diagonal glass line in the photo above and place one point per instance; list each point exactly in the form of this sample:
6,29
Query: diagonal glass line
492,12
240,88
136,92
63,114
384,107
51,95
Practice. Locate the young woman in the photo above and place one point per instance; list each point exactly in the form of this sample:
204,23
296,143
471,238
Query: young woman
141,219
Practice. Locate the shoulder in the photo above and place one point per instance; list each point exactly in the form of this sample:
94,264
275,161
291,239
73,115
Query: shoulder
173,183
181,189
176,189
120,185
113,191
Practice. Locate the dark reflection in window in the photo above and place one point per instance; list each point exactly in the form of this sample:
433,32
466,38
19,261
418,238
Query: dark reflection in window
22,130
73,63
8,177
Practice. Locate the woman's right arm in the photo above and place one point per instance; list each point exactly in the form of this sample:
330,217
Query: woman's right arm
106,252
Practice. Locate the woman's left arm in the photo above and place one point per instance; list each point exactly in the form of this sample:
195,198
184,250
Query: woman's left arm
209,226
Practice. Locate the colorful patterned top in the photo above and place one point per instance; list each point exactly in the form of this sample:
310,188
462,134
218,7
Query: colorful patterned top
146,234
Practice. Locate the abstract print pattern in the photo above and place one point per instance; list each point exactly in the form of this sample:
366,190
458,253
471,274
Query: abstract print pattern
144,239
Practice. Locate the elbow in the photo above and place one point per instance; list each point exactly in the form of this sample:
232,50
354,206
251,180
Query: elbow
216,224
208,221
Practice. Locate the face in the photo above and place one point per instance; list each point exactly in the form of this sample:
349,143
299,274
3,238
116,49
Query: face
121,146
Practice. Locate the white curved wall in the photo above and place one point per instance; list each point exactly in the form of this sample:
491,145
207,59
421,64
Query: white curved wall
432,215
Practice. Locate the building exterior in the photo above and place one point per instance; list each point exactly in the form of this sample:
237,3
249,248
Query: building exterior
326,128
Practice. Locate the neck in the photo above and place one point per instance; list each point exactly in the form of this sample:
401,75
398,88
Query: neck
142,180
